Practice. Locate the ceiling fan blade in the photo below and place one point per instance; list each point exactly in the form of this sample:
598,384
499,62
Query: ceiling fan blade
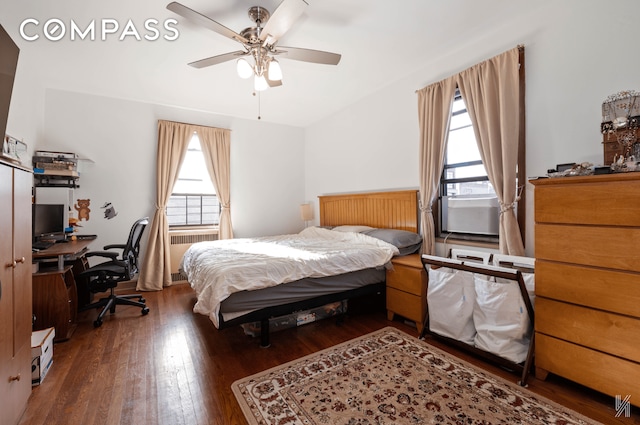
282,19
205,21
214,60
308,55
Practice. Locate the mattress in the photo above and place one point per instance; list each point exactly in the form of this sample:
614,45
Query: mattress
240,303
216,270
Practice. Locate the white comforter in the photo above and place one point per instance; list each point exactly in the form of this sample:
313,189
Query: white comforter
217,269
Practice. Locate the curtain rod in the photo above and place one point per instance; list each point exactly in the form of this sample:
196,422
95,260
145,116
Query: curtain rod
520,48
194,125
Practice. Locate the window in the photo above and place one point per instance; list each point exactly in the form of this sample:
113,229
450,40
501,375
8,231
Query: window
468,205
193,201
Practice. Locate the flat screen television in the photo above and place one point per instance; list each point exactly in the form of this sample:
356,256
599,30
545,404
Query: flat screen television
8,63
48,221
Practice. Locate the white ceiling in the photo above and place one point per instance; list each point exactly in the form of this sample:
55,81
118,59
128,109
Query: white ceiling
380,41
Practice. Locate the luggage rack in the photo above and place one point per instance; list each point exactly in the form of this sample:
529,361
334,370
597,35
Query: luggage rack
511,274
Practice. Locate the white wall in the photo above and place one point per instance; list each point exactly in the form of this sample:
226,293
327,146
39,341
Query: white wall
576,55
267,172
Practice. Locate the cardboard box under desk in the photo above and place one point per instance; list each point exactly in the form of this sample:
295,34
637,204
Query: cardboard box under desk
41,354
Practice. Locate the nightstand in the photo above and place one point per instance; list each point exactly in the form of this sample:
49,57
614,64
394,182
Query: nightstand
407,289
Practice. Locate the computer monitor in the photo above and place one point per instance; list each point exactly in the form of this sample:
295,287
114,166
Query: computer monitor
48,221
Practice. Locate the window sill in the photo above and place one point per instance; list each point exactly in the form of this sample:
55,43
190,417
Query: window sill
453,240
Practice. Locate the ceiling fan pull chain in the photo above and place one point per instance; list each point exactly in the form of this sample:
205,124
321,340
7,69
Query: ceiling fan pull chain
259,112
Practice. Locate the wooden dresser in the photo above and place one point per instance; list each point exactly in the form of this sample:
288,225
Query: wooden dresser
587,249
407,289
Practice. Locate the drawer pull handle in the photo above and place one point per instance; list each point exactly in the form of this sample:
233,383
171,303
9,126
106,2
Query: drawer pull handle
14,378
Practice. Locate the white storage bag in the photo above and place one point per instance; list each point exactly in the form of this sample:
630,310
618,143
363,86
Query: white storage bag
450,296
501,319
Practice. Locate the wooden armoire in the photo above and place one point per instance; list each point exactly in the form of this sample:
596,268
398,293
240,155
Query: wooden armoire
15,290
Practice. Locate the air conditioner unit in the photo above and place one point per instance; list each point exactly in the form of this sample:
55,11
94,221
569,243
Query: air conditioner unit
473,215
179,241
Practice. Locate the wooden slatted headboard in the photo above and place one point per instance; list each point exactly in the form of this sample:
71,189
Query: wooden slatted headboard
390,210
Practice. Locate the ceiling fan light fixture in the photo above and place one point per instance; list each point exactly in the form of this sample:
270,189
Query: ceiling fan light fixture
245,70
275,71
260,83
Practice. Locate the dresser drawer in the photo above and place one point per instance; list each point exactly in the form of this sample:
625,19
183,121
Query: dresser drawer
407,279
614,333
609,247
406,305
615,291
605,373
599,201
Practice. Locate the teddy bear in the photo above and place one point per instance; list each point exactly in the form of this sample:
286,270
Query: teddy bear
82,206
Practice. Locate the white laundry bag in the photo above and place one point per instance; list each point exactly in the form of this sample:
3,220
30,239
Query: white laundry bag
500,318
450,296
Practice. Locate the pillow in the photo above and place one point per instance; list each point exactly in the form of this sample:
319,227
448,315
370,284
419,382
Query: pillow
356,229
406,242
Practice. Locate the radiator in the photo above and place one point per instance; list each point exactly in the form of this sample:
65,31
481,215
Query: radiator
179,241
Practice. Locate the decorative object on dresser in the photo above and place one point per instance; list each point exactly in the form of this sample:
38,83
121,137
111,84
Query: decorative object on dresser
620,124
407,289
390,377
587,325
15,290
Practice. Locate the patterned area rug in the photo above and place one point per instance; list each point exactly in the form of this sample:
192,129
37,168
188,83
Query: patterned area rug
390,377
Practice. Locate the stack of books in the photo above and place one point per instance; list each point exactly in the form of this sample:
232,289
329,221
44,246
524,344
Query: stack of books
55,163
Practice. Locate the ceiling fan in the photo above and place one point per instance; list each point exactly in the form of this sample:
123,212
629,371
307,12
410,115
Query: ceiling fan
259,42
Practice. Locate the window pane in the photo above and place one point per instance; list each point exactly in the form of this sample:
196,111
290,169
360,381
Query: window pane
467,214
193,210
464,172
470,188
460,121
458,105
462,146
193,176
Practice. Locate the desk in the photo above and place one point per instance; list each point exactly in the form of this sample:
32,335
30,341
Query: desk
69,251
55,301
56,297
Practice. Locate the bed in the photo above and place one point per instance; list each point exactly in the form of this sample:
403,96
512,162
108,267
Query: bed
236,282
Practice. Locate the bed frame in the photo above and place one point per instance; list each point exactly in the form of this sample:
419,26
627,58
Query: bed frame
392,210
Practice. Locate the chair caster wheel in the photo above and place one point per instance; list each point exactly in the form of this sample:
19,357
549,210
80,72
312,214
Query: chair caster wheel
142,300
145,311
97,323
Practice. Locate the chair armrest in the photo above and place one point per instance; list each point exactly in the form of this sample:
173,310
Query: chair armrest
112,255
114,246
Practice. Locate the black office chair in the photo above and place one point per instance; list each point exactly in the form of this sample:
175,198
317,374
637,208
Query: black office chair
105,276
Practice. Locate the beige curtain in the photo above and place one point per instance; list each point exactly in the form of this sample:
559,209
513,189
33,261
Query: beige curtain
491,91
434,112
173,140
215,144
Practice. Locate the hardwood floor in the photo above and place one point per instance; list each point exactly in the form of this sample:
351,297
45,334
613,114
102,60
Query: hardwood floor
173,367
